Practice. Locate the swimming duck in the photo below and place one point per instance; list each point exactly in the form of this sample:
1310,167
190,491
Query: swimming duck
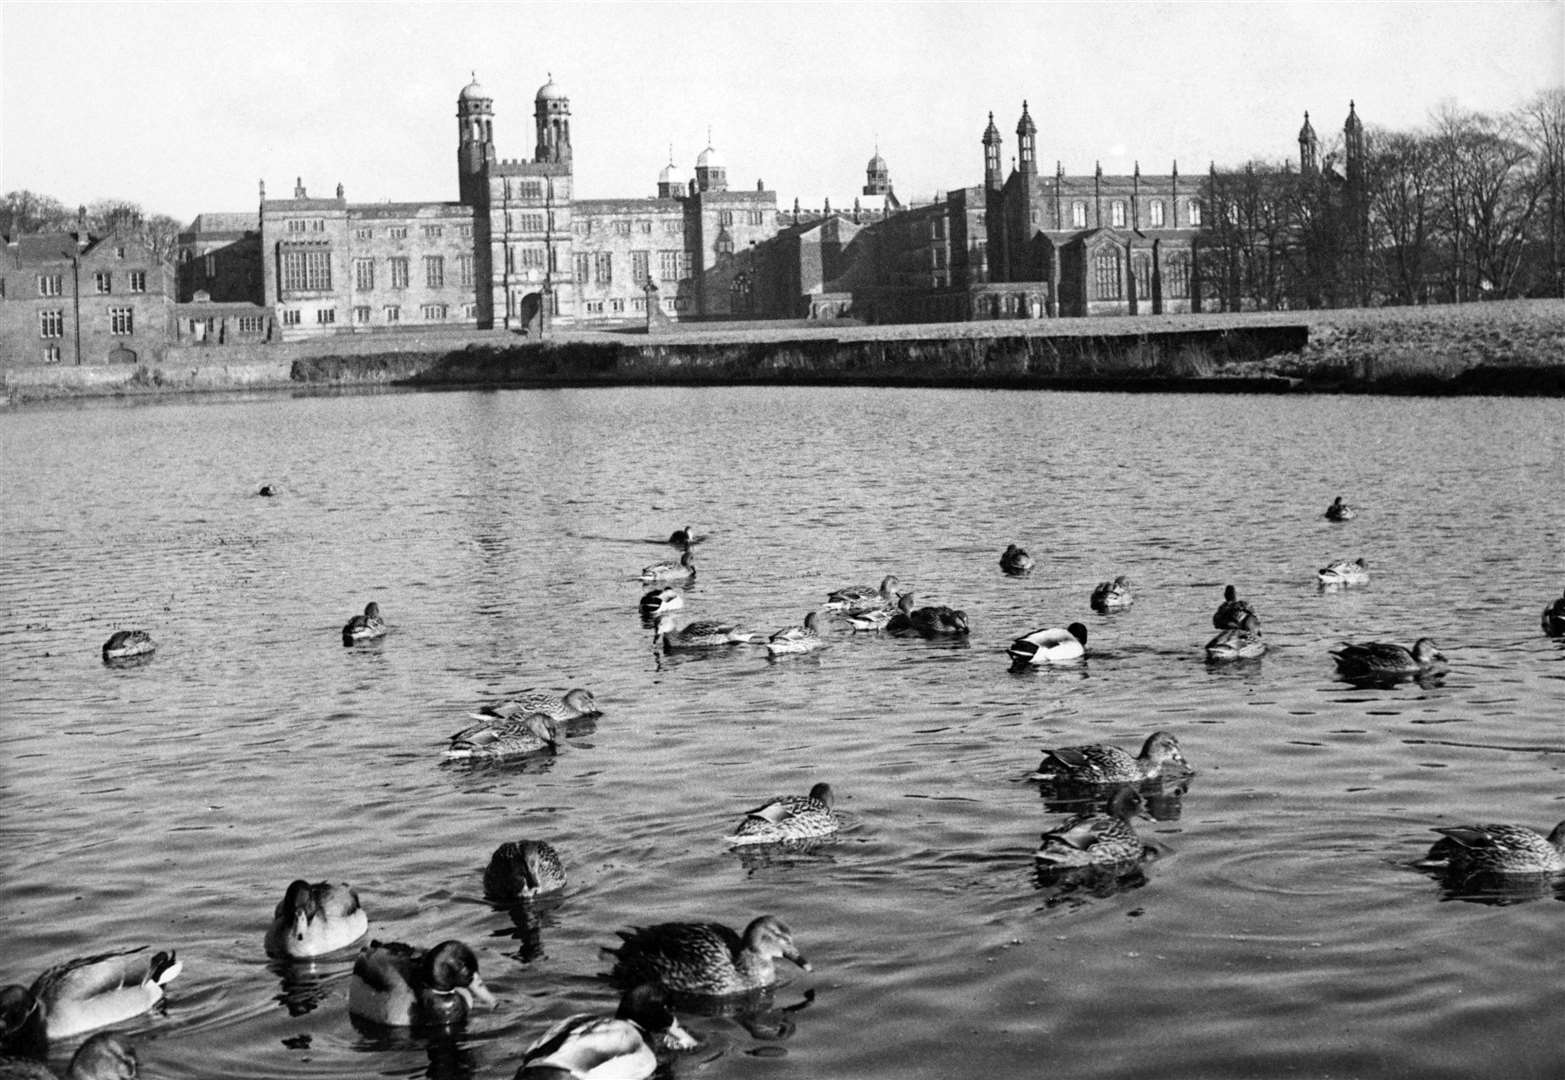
789,817
267,491
797,639
504,737
1497,849
1050,646
571,705
522,869
315,919
403,986
1344,572
656,601
682,537
939,619
624,1047
1232,611
857,599
128,644
1242,642
704,634
705,958
1340,511
365,627
868,620
1554,618
1380,659
1100,763
1112,595
1096,839
104,1056
90,992
683,570
1016,561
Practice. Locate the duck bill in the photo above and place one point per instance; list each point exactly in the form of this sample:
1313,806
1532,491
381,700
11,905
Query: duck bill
801,961
677,1038
481,993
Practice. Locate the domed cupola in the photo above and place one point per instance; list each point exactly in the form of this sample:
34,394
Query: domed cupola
552,118
992,154
877,175
673,182
1309,148
473,92
474,140
711,170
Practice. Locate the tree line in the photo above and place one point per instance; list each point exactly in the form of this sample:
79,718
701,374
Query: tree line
25,212
1471,206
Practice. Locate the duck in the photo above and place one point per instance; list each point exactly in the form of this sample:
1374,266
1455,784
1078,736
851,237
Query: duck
1380,659
574,704
505,737
935,620
681,538
1052,645
402,986
683,570
1343,572
1554,618
87,993
1242,642
705,958
1015,561
656,601
789,817
1095,839
1100,763
1232,611
267,491
622,1047
315,919
104,1056
1340,511
703,634
1112,595
1497,849
797,639
365,627
128,645
867,620
857,599
523,869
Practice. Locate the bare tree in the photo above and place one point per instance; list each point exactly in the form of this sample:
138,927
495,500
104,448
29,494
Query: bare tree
1542,125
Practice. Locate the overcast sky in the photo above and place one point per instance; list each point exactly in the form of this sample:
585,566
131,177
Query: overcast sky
183,107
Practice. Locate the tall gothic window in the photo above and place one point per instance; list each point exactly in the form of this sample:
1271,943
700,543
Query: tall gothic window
1176,274
1143,265
1155,213
1108,274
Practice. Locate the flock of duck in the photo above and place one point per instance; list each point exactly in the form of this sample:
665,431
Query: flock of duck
662,966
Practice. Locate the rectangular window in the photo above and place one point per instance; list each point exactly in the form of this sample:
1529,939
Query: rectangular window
594,307
686,261
306,271
644,226
433,232
529,256
291,317
49,284
393,313
622,228
529,222
640,266
138,280
1193,212
251,324
617,304
1078,215
364,274
1176,275
433,312
1108,276
639,304
725,217
582,266
367,233
464,271
757,217
398,232
435,271
209,267
103,281
317,224
399,273
469,311
1155,213
51,354
361,315
675,227
297,225
326,316
122,321
668,266
1117,213
530,189
51,324
465,232
603,267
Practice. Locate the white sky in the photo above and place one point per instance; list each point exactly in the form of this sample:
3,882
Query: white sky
183,107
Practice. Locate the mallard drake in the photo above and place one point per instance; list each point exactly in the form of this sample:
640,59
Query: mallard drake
1051,645
857,599
868,620
1016,561
682,537
1242,642
624,1047
797,639
656,601
927,621
1381,659
1096,839
315,919
1554,618
128,644
365,627
789,817
705,958
403,986
504,737
522,869
89,992
703,634
570,705
104,1056
1497,849
1340,511
1344,572
1099,763
1112,595
1232,611
683,570
267,491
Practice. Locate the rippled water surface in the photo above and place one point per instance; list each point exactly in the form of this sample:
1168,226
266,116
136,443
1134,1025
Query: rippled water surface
1280,932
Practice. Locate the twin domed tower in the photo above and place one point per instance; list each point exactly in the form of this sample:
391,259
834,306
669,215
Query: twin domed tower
475,133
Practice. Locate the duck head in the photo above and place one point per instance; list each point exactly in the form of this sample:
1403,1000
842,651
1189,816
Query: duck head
22,1022
582,701
1162,748
770,937
821,793
646,1006
1077,631
1426,652
450,982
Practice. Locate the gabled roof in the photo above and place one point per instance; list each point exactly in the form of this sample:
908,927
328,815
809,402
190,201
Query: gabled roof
37,249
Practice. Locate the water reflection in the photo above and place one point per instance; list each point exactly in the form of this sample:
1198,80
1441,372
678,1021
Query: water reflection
304,984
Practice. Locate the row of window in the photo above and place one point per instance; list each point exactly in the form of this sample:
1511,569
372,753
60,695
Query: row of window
102,283
616,306
310,271
363,314
297,226
122,322
1156,214
598,266
1108,275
